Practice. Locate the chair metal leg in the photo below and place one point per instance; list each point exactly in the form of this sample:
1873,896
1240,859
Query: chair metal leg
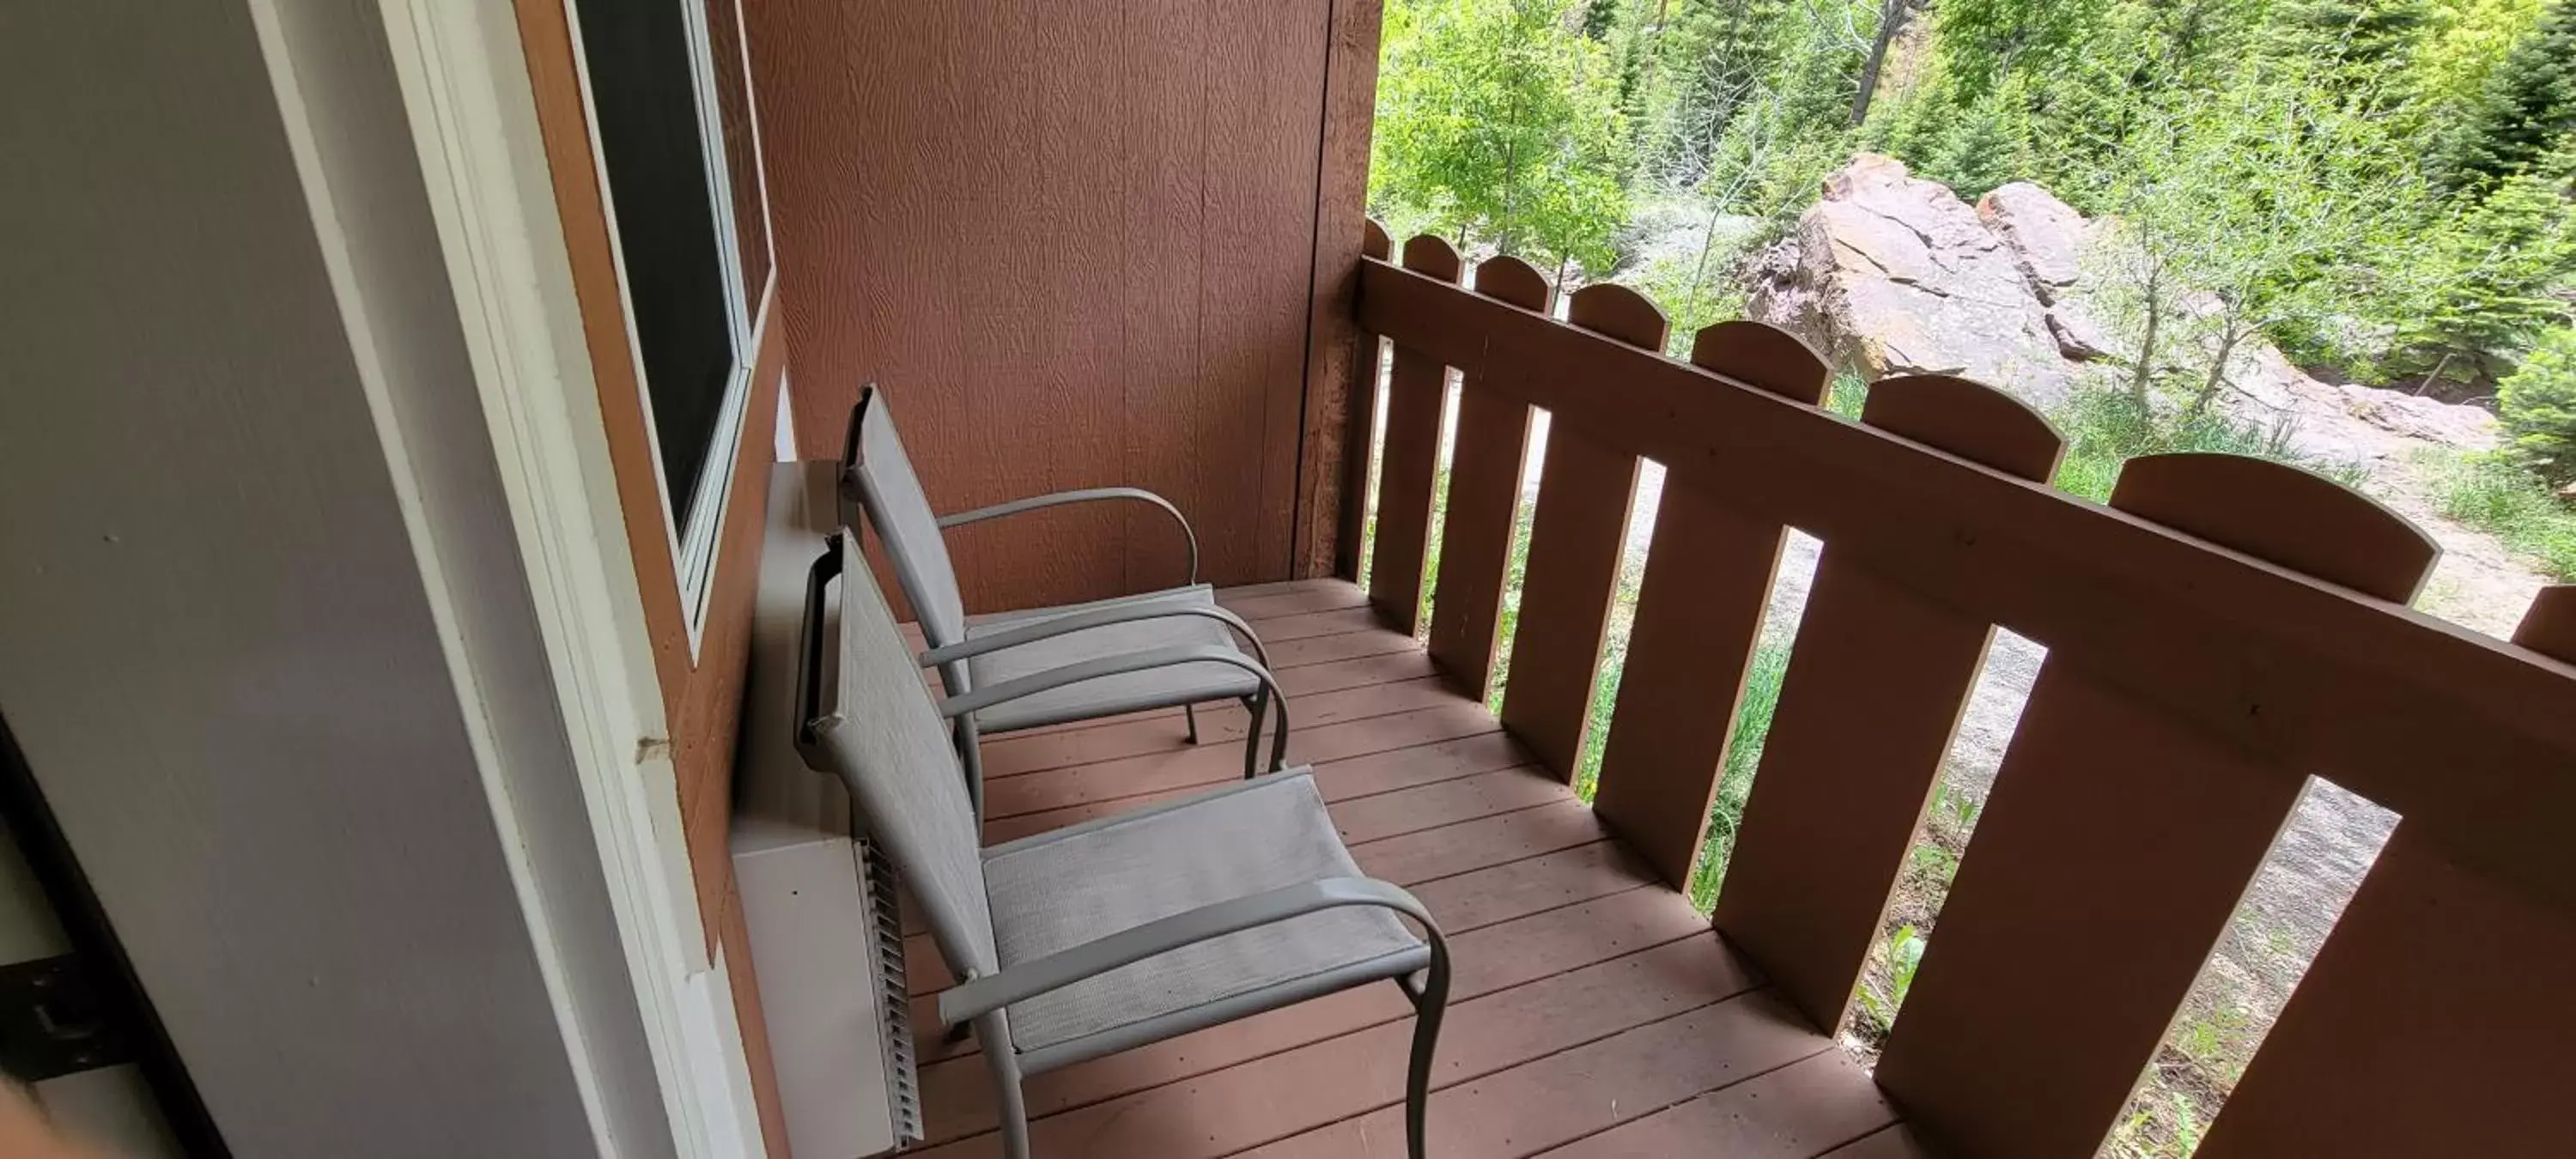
1009,1106
970,757
1256,704
1190,713
1427,1009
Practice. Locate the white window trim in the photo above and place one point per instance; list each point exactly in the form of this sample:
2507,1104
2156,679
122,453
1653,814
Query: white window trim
474,124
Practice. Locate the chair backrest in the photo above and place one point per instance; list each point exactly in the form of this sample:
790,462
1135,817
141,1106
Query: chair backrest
877,475
866,717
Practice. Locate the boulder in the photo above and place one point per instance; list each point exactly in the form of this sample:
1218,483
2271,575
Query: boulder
2046,236
2432,420
1890,274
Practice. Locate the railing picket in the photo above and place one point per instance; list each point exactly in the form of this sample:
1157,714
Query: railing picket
1359,422
1485,470
2431,1023
1872,694
1699,615
1416,392
2115,847
1585,491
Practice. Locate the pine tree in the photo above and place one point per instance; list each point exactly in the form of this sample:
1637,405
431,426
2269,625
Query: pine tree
2493,273
2527,110
2358,37
2538,406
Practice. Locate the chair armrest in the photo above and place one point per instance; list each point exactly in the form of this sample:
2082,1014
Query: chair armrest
1084,495
979,996
1049,629
1125,662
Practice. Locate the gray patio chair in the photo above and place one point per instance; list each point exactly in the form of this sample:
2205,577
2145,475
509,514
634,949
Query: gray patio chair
973,652
1117,932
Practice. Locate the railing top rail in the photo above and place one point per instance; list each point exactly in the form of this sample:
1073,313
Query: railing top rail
2472,739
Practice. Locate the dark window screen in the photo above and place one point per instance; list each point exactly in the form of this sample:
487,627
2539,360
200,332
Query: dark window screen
641,87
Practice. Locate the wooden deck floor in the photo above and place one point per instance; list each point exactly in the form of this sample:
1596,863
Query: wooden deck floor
1593,1014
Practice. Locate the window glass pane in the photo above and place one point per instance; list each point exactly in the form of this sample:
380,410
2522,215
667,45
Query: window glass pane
645,98
742,165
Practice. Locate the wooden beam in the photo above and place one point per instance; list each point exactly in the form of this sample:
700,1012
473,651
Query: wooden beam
1867,708
1585,490
1417,393
2111,824
1336,371
2425,1026
1485,471
1699,615
2467,736
1359,426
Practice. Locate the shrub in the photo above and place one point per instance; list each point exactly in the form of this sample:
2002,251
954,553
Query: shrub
2538,406
2497,495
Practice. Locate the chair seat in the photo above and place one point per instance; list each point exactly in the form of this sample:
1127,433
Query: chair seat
1056,891
1107,695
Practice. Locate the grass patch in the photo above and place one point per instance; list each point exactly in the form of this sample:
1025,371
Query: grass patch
1735,773
2106,428
2499,497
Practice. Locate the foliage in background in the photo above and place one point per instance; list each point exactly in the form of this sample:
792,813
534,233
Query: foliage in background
2499,496
2538,405
2483,285
2260,219
2524,111
1498,123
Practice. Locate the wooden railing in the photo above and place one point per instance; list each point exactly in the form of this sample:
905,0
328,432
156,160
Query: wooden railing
2222,630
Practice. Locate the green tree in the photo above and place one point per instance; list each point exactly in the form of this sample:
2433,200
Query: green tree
2360,37
2464,42
2483,287
2525,112
2242,214
2538,407
1498,122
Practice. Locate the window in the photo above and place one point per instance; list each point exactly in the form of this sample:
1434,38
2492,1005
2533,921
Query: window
671,104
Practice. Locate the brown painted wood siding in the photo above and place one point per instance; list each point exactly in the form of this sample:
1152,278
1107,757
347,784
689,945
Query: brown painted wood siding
701,692
1075,244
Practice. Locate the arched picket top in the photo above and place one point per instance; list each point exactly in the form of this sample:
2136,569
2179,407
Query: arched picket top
1969,419
1763,356
1509,279
1616,311
1374,241
2282,514
1432,254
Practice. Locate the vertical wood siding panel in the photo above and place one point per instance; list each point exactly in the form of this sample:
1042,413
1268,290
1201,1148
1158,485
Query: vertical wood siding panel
2114,848
1699,614
1872,694
1075,245
1585,492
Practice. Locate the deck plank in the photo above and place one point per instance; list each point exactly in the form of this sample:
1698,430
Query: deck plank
1798,1111
1592,1010
1271,1098
1220,726
958,1093
1564,1096
1320,596
1210,765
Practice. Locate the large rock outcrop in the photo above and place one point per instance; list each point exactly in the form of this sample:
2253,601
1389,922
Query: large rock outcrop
1890,274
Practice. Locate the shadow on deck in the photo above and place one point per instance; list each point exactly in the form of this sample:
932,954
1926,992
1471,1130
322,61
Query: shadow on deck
1593,1014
